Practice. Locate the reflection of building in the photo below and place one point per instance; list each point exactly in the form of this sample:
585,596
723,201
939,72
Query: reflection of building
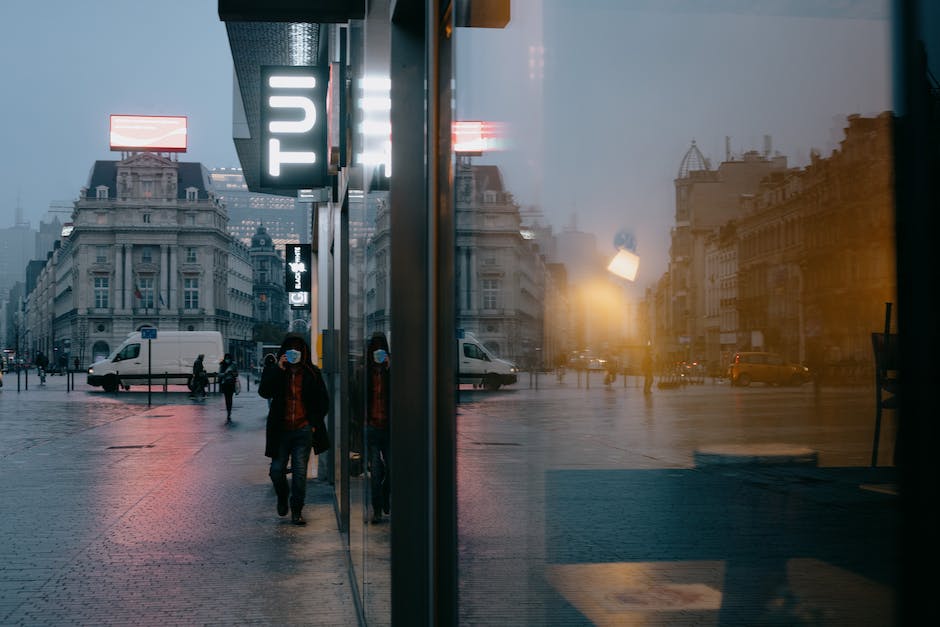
500,274
816,253
285,219
802,264
149,247
706,199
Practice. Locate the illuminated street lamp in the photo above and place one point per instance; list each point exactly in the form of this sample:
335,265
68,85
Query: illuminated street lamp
626,262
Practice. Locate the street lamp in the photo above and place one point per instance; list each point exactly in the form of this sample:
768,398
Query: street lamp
626,262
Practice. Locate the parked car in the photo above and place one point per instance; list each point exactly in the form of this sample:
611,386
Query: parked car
769,368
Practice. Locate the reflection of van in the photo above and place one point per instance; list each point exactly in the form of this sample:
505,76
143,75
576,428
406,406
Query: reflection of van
172,357
480,367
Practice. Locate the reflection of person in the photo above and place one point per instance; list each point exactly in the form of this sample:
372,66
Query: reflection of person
299,402
41,361
228,379
199,380
377,424
648,370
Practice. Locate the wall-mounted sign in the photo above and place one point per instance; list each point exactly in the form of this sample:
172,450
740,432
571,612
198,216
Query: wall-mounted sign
297,276
159,133
294,127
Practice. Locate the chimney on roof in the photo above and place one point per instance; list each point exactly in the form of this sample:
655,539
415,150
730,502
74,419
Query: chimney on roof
768,145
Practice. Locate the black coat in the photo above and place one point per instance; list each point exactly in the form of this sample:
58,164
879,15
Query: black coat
274,385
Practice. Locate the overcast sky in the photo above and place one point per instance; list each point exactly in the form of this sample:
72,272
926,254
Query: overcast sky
626,86
68,65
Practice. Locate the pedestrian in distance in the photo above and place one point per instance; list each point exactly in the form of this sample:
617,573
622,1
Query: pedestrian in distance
200,379
42,363
228,383
295,425
377,424
648,371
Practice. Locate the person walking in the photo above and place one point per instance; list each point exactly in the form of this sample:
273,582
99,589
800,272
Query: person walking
228,382
377,424
295,425
199,380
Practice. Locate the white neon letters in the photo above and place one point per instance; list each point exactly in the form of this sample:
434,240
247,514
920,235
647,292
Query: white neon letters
293,131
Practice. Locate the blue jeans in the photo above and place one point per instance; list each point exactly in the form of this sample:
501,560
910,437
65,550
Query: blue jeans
295,447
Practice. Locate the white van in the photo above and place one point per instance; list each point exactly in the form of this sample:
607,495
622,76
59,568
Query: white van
480,367
173,354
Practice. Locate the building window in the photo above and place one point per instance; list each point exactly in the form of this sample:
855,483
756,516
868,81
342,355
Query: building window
146,218
191,254
101,292
101,192
101,218
145,289
191,293
101,254
490,293
191,194
146,189
146,255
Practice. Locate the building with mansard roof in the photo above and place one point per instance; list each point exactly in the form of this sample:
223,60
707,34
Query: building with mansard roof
148,247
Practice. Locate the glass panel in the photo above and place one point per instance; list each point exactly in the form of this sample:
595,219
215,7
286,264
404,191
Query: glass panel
741,154
369,315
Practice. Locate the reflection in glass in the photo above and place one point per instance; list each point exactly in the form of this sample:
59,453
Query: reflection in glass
748,149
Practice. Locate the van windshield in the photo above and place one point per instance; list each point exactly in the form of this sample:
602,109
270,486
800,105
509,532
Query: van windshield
128,352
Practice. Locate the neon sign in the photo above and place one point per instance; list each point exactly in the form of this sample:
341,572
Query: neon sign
294,127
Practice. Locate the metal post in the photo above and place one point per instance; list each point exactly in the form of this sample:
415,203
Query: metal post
149,367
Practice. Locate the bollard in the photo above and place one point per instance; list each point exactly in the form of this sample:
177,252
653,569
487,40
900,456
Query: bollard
587,379
17,379
164,382
247,381
26,380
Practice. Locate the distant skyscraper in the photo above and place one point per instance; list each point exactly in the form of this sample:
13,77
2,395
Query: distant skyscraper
284,219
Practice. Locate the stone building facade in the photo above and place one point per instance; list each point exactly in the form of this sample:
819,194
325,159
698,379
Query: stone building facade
148,247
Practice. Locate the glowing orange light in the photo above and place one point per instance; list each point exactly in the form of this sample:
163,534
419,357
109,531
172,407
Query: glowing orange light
625,264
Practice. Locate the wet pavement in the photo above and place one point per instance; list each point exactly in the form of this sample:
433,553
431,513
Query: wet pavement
575,507
120,513
705,505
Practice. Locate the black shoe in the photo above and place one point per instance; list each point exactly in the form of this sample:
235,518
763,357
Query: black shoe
282,505
297,518
376,516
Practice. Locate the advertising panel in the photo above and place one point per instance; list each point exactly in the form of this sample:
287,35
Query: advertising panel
158,133
297,275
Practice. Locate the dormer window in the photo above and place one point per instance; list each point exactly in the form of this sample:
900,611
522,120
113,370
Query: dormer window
101,192
146,218
192,194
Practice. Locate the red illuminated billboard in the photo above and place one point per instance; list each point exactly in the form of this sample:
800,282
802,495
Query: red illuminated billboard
160,133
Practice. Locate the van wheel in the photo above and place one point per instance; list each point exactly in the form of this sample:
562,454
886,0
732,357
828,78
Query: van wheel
491,383
744,379
110,383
